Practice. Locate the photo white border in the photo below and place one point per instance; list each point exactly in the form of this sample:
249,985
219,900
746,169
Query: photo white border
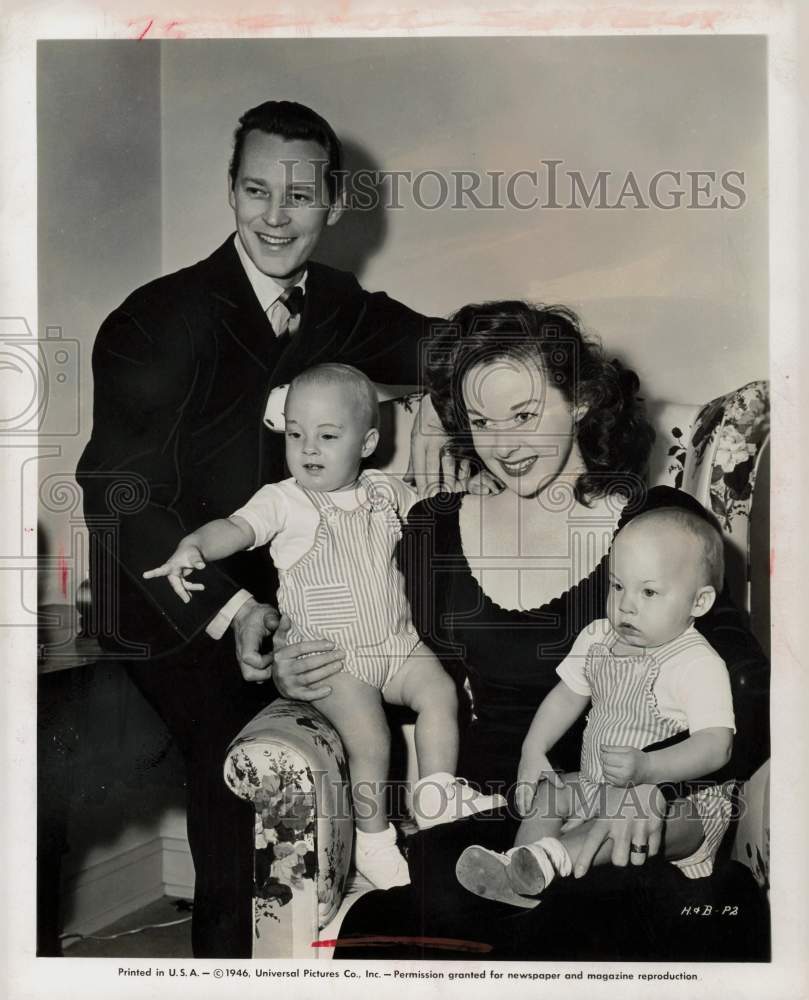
784,22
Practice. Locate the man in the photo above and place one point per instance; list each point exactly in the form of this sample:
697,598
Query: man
182,373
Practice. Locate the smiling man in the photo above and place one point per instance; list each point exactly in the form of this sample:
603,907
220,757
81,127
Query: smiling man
281,203
182,372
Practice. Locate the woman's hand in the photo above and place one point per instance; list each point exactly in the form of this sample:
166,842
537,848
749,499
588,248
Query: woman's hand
631,819
299,668
185,559
533,769
432,467
484,484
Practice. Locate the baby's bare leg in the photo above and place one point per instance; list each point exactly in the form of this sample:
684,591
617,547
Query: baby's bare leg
355,710
421,683
537,856
527,873
549,810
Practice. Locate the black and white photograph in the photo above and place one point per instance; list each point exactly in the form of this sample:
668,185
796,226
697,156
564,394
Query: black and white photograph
400,580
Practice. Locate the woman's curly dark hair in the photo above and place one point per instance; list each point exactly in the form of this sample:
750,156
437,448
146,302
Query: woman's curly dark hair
613,435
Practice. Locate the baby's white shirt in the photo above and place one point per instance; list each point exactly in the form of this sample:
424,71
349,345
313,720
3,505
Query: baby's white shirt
282,514
693,686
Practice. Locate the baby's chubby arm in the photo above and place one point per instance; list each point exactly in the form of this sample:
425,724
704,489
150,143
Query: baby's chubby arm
214,540
701,754
557,713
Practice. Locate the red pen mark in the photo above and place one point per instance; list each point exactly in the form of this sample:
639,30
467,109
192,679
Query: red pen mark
62,570
772,562
384,941
28,530
621,18
173,28
625,17
146,30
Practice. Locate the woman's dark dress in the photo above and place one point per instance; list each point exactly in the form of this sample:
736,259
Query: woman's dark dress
510,658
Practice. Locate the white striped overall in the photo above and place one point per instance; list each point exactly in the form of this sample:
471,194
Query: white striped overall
624,712
347,587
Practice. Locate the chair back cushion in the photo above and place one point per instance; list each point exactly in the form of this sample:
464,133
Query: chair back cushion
714,452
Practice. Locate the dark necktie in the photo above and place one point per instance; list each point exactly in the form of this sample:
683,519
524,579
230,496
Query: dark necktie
288,305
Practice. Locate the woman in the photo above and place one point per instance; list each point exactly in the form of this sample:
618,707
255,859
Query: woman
499,586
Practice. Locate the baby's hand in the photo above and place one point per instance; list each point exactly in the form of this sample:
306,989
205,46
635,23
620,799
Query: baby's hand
533,769
624,765
180,565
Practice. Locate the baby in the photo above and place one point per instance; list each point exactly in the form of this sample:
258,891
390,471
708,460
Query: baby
647,675
332,532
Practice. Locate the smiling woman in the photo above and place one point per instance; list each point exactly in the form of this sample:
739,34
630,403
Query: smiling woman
524,392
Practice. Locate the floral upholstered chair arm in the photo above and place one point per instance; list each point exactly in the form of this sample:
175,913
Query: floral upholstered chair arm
289,762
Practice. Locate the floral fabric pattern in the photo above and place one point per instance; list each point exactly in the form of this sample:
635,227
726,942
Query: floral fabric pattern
743,429
715,459
289,762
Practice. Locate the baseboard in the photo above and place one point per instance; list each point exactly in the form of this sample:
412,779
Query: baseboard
105,892
178,868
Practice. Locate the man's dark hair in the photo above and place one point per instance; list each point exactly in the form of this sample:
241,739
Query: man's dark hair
291,121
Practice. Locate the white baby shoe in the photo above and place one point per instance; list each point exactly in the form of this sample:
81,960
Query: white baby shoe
379,859
443,798
533,866
516,877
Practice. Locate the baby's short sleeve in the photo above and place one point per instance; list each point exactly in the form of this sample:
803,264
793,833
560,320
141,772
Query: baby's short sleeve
393,489
701,686
265,512
571,669
406,496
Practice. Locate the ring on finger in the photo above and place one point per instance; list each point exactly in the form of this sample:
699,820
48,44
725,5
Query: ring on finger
638,848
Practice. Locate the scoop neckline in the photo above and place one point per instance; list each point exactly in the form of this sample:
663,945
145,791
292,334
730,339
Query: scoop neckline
532,612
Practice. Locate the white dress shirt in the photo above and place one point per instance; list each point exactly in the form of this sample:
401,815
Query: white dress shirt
267,289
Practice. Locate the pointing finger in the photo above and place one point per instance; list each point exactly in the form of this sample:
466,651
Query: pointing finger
163,570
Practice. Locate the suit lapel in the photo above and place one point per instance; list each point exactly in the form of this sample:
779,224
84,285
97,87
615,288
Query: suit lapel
243,321
241,317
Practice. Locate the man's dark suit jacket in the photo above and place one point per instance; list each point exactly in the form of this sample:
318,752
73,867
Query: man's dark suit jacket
182,370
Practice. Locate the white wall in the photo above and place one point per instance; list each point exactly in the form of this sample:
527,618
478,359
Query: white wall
682,294
99,236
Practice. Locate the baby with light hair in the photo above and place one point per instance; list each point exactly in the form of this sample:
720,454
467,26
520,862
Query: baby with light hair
332,531
648,678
